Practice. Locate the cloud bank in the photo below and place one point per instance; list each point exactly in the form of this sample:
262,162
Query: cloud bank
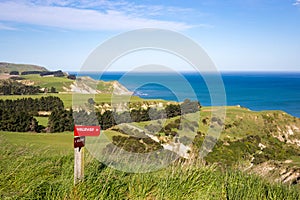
87,15
297,3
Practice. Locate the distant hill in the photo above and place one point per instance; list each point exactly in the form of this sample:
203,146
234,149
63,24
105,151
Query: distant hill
8,67
34,75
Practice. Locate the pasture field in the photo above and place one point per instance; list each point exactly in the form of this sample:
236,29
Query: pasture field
67,98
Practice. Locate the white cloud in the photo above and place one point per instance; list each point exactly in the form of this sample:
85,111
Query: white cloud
297,3
120,5
82,15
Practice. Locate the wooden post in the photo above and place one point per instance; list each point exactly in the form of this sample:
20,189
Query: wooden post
78,164
79,141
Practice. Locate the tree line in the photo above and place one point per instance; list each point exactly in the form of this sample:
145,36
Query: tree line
32,106
57,73
18,121
18,115
11,87
110,118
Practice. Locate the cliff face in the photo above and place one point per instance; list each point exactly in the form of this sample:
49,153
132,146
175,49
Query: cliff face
87,85
119,89
278,171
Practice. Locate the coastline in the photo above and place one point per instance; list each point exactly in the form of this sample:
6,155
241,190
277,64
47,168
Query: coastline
257,91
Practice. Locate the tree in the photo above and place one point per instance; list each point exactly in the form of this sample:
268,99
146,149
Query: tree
17,115
14,73
173,110
60,121
52,90
17,121
107,120
8,87
72,77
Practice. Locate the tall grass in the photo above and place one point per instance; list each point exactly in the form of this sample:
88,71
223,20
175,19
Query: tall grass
179,182
32,171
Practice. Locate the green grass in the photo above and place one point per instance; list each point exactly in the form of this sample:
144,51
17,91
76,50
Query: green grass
8,67
40,166
296,160
30,160
57,82
68,98
57,143
42,120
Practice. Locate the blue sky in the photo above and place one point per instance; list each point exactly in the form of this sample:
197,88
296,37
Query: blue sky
239,35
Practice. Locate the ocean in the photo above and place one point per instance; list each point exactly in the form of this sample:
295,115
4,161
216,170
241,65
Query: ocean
256,91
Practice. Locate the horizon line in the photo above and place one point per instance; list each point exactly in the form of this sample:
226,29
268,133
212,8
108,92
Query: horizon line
220,71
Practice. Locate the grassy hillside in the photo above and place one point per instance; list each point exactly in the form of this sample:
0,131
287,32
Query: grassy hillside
276,131
266,143
41,166
8,67
57,82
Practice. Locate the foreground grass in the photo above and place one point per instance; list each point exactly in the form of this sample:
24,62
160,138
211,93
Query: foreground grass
40,166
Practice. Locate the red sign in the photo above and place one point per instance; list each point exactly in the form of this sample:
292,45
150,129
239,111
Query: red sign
86,130
79,142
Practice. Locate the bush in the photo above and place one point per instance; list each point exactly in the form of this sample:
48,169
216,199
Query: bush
14,73
189,106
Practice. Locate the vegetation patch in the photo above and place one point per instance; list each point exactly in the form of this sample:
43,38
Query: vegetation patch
41,166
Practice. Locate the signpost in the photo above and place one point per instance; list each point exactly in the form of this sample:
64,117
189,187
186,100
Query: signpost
86,130
79,141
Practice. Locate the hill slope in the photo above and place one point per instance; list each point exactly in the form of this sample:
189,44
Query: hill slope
8,67
41,167
266,143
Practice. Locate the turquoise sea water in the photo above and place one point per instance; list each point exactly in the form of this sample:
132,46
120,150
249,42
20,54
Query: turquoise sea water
256,91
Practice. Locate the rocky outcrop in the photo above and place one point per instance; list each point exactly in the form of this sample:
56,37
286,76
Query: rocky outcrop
119,89
288,134
180,149
87,85
278,171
